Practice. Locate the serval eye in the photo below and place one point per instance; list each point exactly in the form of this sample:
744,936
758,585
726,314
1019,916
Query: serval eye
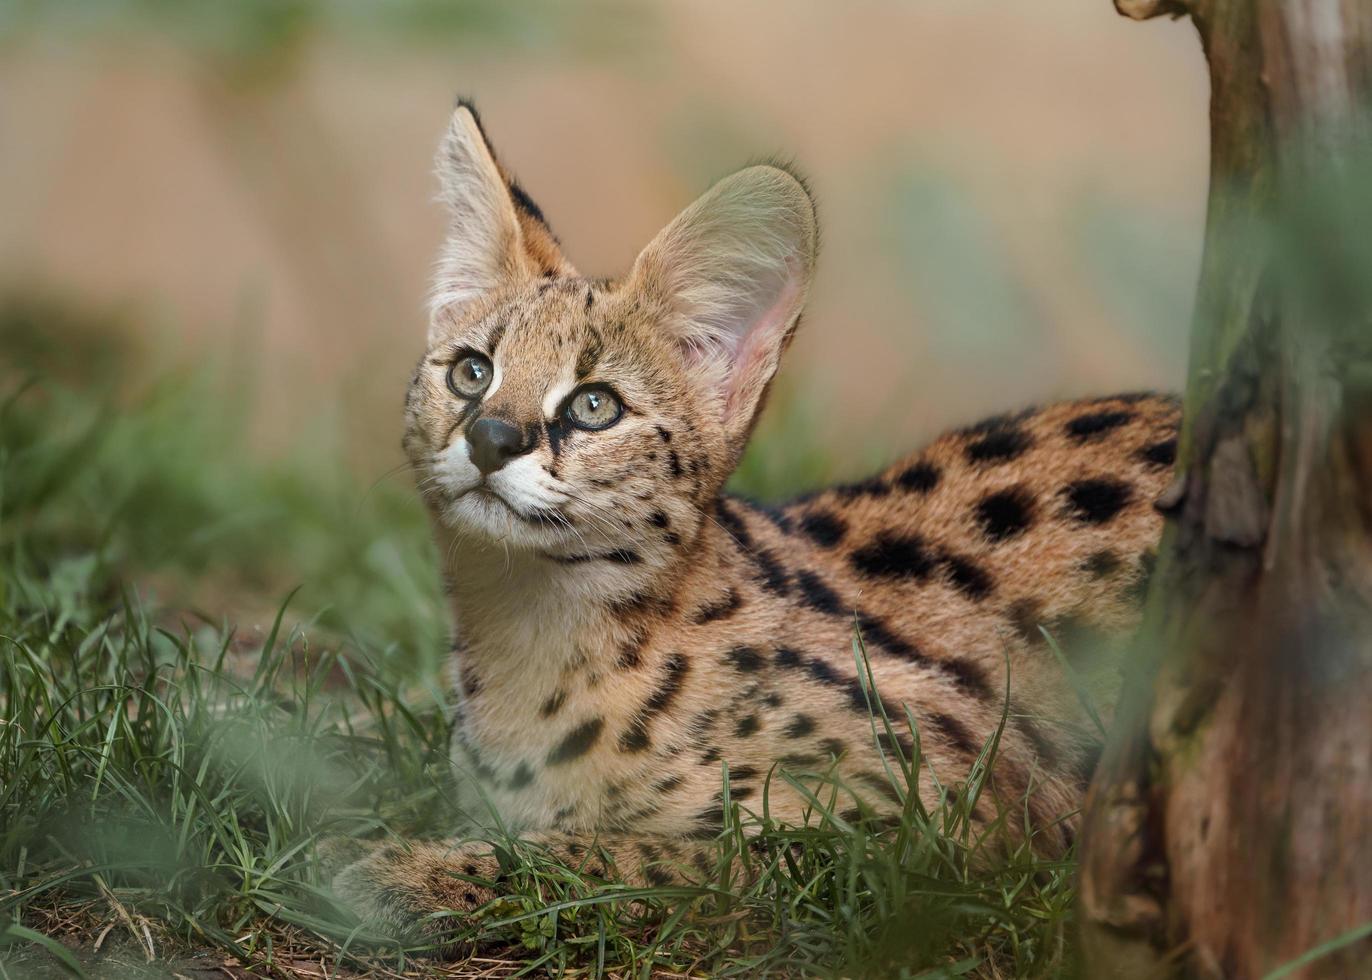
594,408
470,376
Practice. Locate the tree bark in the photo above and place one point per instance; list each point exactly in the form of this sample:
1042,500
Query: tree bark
1228,830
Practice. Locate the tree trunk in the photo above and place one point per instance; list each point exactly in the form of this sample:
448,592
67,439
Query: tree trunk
1228,831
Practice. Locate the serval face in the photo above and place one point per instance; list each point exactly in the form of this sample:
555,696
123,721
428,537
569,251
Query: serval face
569,417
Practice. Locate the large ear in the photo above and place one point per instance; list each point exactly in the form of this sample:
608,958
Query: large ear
731,273
496,235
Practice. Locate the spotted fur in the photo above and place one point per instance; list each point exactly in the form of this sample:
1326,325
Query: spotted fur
627,630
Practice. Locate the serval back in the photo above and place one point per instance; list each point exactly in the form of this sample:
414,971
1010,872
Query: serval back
625,629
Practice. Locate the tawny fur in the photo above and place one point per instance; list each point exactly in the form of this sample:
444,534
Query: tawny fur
625,630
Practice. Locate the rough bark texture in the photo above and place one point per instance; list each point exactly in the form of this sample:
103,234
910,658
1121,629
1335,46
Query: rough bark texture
1229,827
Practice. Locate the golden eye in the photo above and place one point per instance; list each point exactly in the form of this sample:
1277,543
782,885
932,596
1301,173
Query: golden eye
594,408
470,376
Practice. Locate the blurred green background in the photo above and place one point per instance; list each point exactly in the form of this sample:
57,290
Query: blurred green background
219,222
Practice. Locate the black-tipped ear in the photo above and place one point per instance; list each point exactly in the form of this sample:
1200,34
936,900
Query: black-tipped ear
483,250
497,236
523,203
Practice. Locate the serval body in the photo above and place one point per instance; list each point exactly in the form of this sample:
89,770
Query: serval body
625,630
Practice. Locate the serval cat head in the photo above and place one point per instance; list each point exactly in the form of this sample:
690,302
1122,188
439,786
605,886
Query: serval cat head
557,413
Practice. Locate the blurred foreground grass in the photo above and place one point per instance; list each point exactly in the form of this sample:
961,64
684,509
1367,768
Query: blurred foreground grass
165,774
118,475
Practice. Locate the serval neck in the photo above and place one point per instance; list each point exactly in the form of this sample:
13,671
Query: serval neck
518,610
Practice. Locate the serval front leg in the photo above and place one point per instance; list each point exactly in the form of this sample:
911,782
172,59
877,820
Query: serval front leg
420,891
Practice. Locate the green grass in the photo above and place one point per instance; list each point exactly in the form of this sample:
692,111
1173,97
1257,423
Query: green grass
165,779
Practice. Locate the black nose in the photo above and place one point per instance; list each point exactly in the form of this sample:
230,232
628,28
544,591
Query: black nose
491,443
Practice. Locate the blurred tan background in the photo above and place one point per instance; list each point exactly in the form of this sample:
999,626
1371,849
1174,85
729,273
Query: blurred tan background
1011,194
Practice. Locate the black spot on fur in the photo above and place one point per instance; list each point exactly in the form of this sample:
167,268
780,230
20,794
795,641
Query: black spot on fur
630,654
733,524
657,876
521,777
642,602
964,673
778,517
674,463
955,732
546,517
635,737
999,445
620,556
875,630
659,519
882,784
817,595
1096,501
674,674
1160,453
704,721
894,556
553,705
1025,618
968,676
577,742
970,579
824,528
770,573
996,423
1006,513
919,477
825,674
1102,564
668,784
711,755
744,659
800,726
1085,427
833,746
721,609
746,726
873,486
709,822
1079,639
664,434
